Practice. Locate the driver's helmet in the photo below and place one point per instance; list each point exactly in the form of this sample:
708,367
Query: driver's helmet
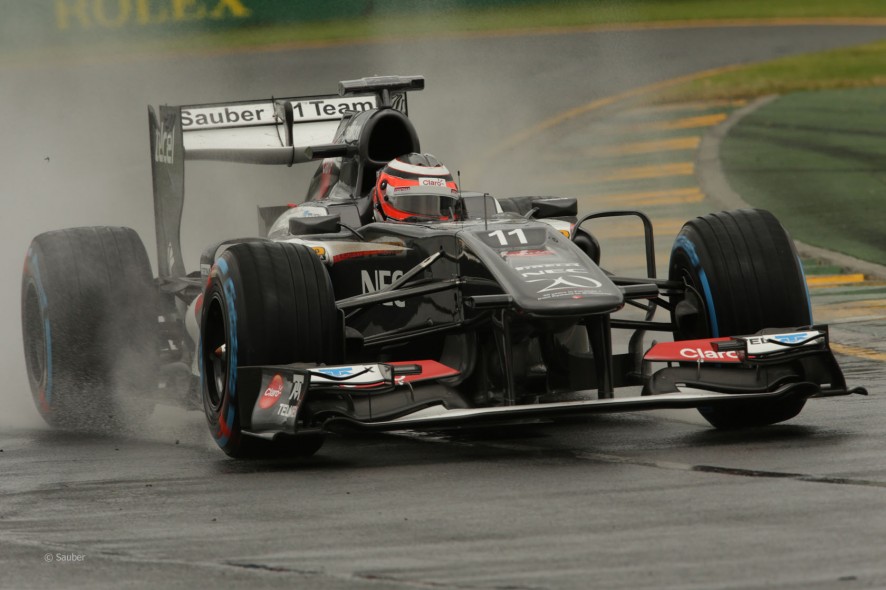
416,187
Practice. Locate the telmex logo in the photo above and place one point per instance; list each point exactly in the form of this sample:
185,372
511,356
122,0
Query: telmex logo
114,14
335,371
783,338
164,141
702,354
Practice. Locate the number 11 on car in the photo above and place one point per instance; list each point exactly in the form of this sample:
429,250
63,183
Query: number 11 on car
503,237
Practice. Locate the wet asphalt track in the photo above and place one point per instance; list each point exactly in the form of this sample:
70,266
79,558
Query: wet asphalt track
641,500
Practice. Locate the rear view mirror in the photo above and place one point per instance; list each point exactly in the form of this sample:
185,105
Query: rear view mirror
327,224
546,207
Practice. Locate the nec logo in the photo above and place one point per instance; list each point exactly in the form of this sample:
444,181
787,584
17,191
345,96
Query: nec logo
380,279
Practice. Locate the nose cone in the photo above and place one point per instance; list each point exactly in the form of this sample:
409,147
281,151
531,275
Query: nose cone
542,270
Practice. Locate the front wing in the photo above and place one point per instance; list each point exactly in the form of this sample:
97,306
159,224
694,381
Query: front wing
418,395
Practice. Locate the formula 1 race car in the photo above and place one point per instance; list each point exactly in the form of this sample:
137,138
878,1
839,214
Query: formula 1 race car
467,310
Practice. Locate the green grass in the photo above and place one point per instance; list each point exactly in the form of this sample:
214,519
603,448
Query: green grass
815,159
854,67
860,66
573,14
532,17
562,14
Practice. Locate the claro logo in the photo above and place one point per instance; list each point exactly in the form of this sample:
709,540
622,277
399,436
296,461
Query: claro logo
272,393
702,354
115,14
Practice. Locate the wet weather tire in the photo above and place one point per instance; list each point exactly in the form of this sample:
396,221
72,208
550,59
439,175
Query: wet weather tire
742,274
89,328
266,303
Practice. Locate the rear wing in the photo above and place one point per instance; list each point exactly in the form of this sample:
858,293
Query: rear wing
283,131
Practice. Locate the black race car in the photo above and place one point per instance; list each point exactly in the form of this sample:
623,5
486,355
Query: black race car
333,321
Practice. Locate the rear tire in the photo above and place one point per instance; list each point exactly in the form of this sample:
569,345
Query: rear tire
89,327
267,303
742,274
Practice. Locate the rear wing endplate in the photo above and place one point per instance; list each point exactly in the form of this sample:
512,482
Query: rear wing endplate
283,131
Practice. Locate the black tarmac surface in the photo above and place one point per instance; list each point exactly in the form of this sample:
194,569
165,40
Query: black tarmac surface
631,501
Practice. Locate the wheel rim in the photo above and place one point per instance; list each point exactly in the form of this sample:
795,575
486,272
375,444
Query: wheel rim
691,319
215,359
35,336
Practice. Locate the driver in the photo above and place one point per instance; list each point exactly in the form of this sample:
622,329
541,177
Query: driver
416,187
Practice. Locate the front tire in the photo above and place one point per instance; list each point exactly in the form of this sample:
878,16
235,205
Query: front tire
266,303
742,274
89,328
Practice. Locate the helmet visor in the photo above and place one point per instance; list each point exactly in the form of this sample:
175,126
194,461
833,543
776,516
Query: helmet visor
426,201
436,206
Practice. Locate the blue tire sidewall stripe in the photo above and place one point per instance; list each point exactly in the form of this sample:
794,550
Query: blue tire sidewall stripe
685,244
228,411
806,287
